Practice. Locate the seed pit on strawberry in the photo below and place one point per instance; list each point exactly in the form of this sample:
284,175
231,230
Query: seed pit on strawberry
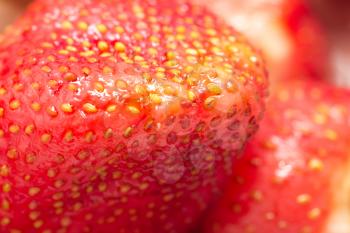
106,108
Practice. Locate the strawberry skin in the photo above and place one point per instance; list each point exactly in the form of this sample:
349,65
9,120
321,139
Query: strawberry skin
120,116
291,179
289,35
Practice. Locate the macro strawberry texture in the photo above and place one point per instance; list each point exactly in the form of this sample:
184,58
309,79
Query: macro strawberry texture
293,176
121,115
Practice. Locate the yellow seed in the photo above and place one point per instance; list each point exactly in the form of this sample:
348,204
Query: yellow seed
52,111
67,108
4,170
191,95
72,87
209,102
128,132
102,187
155,98
111,108
303,199
68,137
87,53
5,221
315,164
2,133
1,112
2,91
257,195
71,48
29,129
121,84
108,133
36,106
331,135
52,83
160,75
18,87
6,187
99,86
191,52
70,77
214,89
107,70
119,29
14,129
83,26
65,221
168,197
102,46
30,158
15,104
66,25
45,138
12,153
320,119
314,213
133,109
120,47
89,108
37,224
86,70
124,188
33,191
5,204
102,28
46,69
51,173
139,89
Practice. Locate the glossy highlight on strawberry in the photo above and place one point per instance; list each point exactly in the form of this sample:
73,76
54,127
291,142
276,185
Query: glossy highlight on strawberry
291,176
121,116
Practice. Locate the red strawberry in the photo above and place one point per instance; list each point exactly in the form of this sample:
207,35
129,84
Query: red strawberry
292,176
285,30
120,116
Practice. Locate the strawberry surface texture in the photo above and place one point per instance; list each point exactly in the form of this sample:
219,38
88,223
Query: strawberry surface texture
121,115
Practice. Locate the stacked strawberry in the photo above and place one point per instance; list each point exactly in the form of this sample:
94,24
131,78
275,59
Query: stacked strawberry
120,116
293,176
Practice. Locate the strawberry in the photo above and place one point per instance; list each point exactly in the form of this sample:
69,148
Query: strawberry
289,35
293,176
120,116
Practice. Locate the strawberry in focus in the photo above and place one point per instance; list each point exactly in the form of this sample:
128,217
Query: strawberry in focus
293,176
288,34
120,116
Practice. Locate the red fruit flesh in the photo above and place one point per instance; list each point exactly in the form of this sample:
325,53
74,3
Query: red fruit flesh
290,37
291,178
120,116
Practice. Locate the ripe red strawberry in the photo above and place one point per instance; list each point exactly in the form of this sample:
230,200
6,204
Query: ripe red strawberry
286,31
293,176
120,116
